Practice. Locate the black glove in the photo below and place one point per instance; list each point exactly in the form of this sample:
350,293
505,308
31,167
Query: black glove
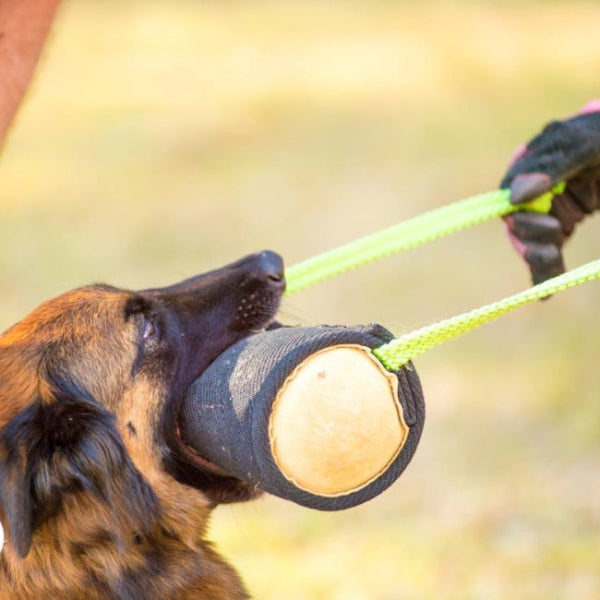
565,151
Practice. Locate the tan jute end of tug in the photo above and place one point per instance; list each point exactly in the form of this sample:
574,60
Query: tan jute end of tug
337,423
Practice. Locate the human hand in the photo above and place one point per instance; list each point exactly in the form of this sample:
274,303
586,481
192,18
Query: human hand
567,151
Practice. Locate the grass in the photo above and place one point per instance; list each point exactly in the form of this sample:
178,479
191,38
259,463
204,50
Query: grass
162,139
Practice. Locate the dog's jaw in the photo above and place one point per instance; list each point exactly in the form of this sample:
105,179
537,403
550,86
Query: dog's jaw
256,310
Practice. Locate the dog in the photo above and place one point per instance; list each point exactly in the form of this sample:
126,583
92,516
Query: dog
99,497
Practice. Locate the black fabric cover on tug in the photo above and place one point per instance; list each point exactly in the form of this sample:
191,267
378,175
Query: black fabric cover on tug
230,415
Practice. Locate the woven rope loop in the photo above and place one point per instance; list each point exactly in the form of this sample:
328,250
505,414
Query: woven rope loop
426,228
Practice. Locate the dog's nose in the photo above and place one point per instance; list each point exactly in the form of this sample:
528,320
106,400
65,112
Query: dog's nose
269,266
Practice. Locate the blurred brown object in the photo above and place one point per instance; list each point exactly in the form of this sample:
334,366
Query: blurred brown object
24,26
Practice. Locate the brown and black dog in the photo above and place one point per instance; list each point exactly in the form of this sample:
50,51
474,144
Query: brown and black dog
99,497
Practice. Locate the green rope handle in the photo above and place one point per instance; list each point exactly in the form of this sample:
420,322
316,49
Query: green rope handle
426,228
410,234
399,351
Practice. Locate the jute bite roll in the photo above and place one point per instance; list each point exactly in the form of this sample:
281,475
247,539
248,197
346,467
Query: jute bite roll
308,414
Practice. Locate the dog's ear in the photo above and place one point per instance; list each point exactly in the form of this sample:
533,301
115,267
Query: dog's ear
61,446
15,501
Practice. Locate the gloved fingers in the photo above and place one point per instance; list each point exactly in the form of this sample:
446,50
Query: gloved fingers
527,186
538,238
563,150
532,233
580,198
535,227
566,151
585,191
544,260
568,211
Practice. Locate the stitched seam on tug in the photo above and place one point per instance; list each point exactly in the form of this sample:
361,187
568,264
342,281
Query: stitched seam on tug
392,382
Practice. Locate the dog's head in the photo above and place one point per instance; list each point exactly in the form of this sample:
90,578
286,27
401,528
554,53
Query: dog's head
91,384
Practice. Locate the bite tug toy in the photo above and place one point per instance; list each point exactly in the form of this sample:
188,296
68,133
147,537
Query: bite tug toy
329,417
308,414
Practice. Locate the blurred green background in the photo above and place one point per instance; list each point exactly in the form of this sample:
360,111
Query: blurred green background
164,138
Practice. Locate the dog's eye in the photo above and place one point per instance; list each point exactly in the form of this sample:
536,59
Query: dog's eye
150,328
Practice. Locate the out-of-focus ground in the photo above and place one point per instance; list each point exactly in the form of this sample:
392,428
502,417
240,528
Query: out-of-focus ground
165,138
